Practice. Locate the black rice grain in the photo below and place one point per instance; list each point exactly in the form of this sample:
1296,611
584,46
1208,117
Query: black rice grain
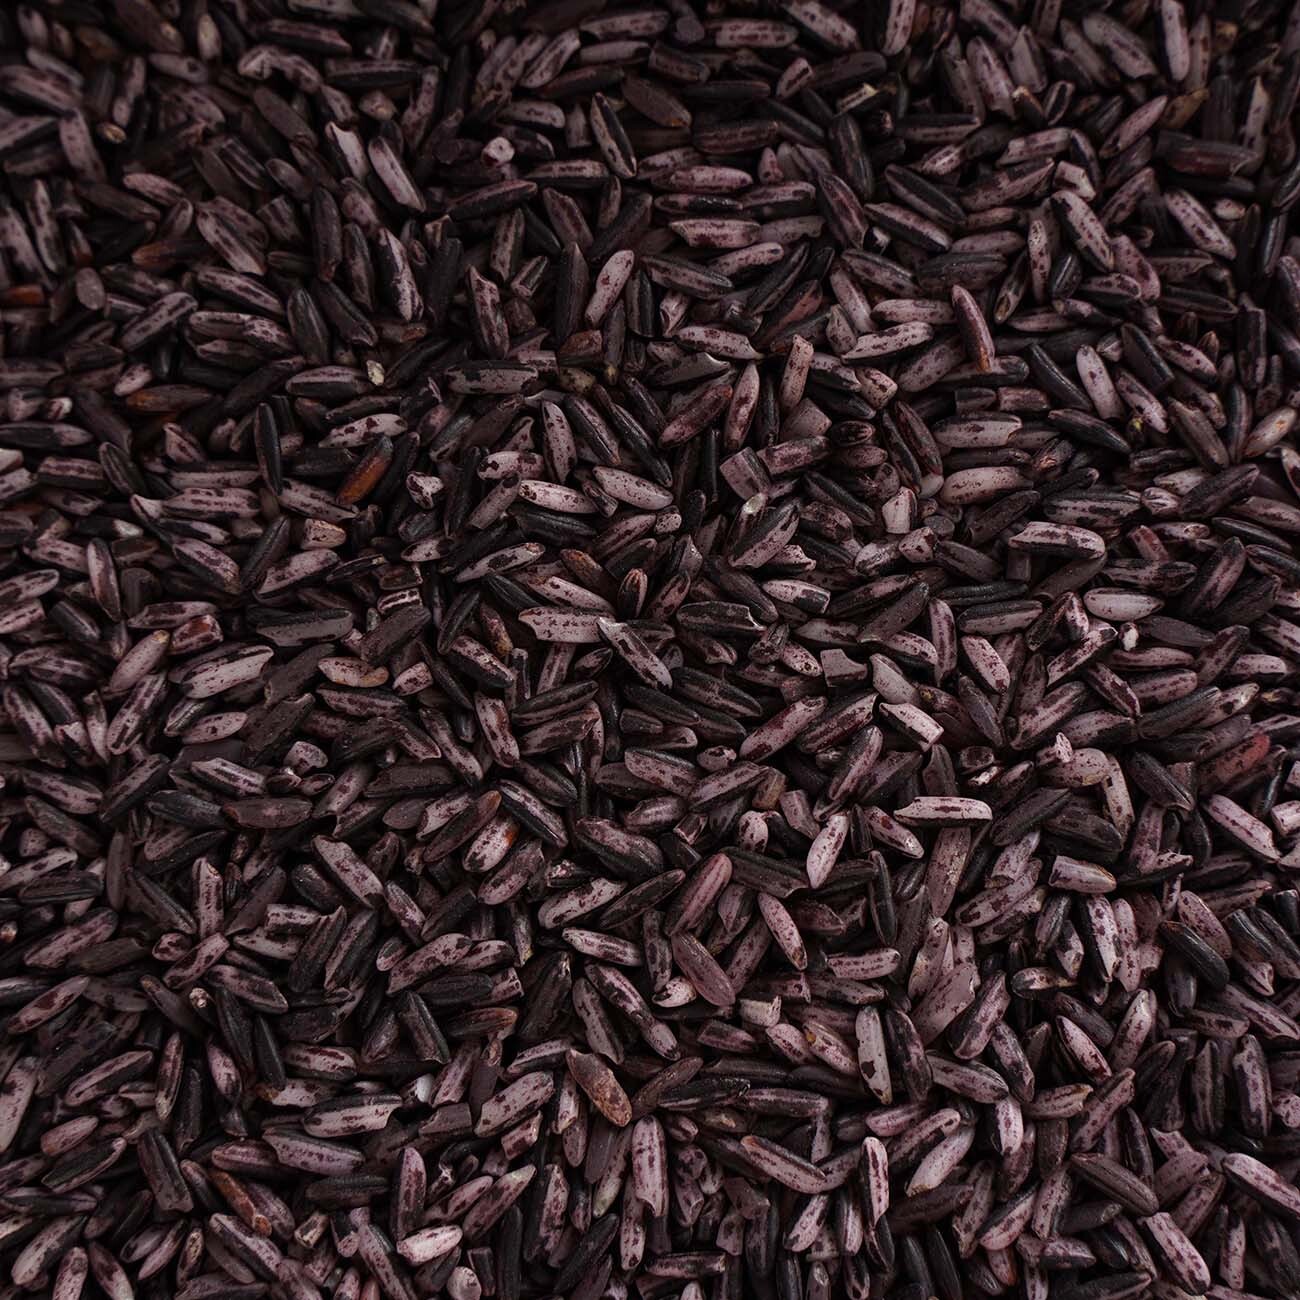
649,651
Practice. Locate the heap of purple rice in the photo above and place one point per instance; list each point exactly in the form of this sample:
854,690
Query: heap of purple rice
649,652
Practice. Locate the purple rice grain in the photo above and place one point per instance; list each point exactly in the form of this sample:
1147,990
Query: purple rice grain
648,651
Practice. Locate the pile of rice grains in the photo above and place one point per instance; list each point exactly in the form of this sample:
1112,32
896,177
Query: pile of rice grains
649,652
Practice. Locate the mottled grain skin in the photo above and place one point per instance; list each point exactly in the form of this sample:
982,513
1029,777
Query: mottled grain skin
649,651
